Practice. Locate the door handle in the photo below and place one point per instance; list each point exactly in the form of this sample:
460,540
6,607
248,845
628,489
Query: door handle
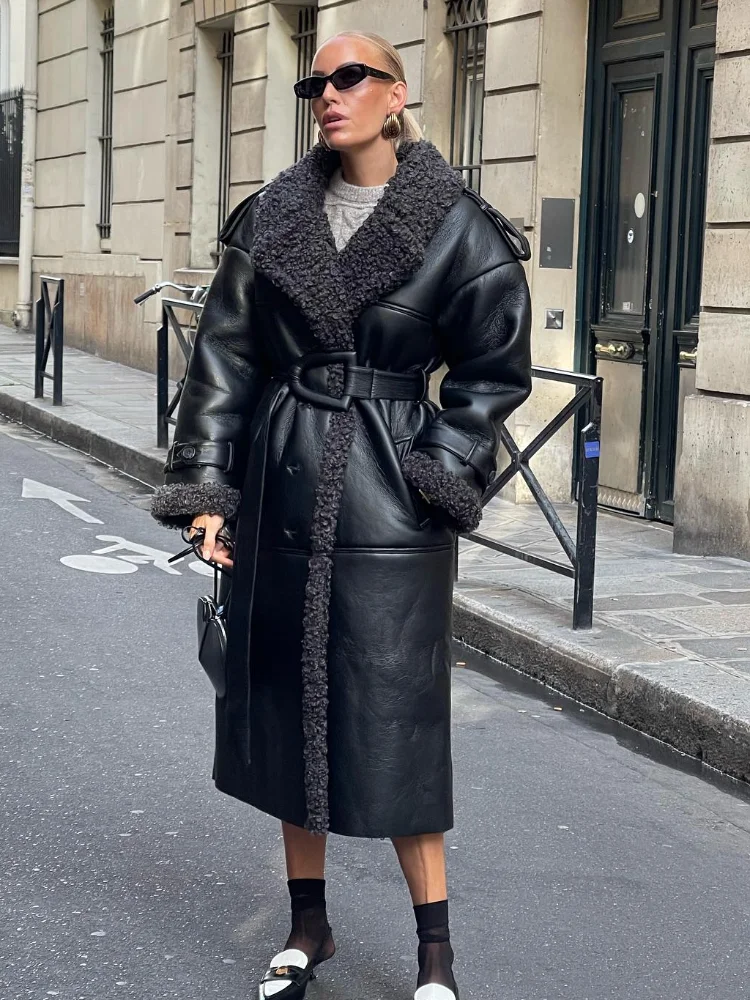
615,349
686,357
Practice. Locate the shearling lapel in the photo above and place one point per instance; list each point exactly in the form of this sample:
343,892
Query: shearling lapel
294,247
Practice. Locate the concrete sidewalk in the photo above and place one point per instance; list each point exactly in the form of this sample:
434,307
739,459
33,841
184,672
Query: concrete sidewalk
108,411
670,651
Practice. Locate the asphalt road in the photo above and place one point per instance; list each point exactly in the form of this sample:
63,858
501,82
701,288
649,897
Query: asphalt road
586,862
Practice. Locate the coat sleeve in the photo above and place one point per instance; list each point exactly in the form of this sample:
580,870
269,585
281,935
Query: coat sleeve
225,379
484,331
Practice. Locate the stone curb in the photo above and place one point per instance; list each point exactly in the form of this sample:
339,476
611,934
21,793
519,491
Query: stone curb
53,423
689,705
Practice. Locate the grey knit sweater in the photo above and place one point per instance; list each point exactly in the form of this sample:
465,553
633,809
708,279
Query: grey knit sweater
348,206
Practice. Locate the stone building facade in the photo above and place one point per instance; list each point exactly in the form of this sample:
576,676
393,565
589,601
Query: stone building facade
16,40
713,486
615,133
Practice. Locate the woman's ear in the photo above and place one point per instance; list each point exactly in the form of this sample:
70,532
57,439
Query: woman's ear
397,100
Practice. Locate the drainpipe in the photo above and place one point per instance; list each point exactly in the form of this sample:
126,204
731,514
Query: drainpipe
24,308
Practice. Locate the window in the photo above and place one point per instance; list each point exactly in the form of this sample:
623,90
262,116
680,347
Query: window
213,141
105,138
4,45
11,136
306,40
226,61
467,25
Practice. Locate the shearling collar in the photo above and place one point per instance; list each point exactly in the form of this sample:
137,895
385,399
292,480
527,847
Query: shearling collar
294,247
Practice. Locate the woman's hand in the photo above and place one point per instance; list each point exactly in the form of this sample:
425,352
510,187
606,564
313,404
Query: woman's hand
212,549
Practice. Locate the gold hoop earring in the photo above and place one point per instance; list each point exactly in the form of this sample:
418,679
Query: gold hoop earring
392,127
322,140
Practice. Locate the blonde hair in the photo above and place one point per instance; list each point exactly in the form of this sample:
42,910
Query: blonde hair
393,64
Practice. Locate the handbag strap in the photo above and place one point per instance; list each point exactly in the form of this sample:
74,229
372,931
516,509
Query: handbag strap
218,571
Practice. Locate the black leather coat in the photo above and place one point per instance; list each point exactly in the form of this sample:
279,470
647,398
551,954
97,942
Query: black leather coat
337,712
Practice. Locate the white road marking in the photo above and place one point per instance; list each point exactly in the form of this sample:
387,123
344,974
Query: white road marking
98,564
130,555
32,490
201,568
136,553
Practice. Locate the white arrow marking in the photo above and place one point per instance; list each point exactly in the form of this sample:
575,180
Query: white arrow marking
32,490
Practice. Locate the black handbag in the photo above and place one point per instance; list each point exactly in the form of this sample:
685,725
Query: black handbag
212,633
212,609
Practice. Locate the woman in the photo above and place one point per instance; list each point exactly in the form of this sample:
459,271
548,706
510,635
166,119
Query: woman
304,419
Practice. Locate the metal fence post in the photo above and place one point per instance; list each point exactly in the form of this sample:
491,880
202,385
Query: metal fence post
162,380
58,328
583,594
50,336
39,350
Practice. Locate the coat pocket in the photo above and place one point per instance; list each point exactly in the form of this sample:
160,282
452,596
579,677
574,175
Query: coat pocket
421,509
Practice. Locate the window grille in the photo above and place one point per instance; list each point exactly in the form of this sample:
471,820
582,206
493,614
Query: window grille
105,139
11,143
306,39
226,58
467,24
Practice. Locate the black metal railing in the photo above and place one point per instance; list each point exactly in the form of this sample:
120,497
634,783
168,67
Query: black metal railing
581,553
306,40
105,138
226,58
165,406
185,334
11,147
467,25
50,326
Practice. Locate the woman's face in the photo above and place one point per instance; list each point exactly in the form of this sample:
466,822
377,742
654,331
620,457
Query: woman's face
354,117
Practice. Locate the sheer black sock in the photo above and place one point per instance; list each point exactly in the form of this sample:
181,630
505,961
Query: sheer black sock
311,932
435,953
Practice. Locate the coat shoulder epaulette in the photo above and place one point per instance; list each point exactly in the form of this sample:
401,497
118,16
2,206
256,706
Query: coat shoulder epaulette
515,240
237,217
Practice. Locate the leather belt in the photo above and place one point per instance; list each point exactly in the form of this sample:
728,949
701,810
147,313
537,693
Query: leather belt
360,382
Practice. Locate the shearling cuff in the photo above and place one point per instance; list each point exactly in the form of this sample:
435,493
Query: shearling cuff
445,490
176,504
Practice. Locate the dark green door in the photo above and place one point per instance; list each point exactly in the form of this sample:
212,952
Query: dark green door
643,217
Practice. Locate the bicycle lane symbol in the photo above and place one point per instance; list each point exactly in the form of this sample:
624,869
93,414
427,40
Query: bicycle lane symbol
130,555
121,556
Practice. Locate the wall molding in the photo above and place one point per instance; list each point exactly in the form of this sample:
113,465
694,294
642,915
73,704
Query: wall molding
209,10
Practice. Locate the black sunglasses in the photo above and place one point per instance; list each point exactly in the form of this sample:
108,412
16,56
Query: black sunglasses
195,545
342,78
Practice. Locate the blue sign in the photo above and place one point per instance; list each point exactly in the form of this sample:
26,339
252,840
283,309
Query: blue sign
591,449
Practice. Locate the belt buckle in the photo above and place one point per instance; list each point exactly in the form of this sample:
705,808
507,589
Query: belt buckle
320,360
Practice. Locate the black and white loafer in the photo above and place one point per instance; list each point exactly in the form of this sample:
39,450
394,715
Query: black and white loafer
433,991
287,977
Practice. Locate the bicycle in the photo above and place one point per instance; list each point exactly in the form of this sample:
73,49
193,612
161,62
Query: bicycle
197,294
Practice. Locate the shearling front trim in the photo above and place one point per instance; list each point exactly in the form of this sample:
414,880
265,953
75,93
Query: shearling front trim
177,504
316,617
451,493
294,247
